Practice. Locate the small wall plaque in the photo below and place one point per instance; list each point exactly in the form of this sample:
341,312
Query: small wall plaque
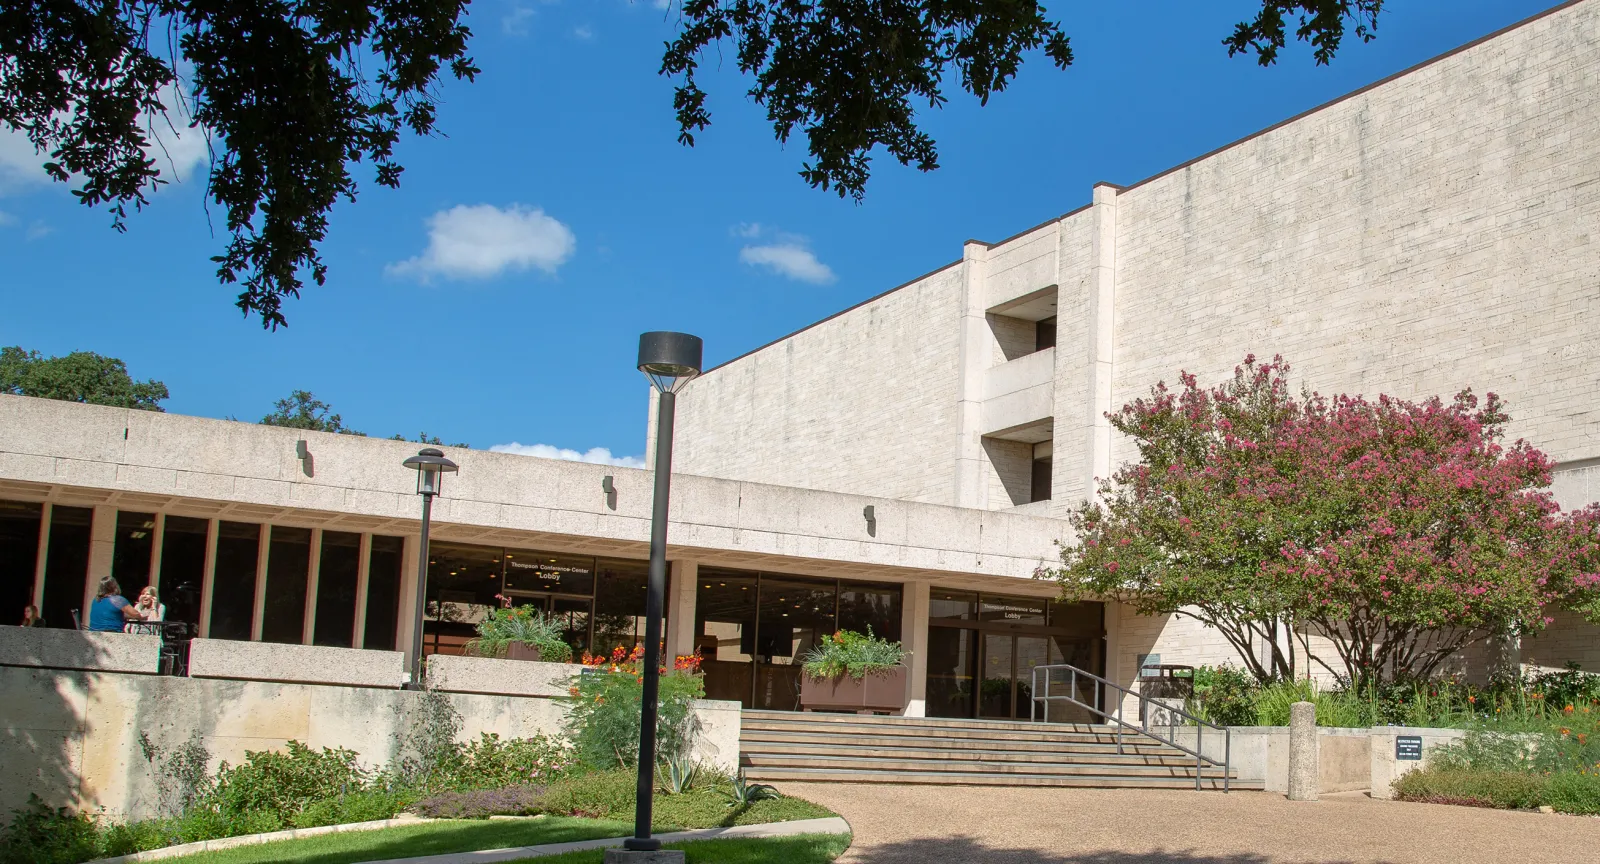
1148,660
1408,748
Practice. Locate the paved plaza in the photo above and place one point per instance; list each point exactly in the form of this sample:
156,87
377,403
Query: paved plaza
956,825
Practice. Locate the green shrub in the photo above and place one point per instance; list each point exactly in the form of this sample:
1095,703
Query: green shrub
492,762
284,783
1571,792
482,803
128,838
597,794
1225,695
1487,750
366,806
1508,790
1335,708
525,624
1571,687
40,834
854,654
606,699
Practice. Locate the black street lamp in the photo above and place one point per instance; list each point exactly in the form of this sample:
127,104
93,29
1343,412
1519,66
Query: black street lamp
670,361
431,466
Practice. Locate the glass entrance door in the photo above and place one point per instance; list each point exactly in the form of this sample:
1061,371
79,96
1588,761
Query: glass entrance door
1008,663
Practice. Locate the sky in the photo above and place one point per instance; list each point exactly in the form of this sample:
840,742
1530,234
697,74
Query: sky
496,297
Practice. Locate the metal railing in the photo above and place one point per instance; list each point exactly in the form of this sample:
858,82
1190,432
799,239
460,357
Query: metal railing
1143,728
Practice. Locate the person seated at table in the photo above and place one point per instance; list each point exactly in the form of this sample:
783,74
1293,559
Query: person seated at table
150,605
110,611
30,617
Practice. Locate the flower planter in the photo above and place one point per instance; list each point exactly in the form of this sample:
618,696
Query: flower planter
884,691
522,651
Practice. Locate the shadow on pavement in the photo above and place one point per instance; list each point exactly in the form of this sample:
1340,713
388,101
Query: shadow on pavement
965,850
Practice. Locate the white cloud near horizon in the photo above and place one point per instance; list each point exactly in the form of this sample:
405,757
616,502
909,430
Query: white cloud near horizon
594,455
481,241
784,253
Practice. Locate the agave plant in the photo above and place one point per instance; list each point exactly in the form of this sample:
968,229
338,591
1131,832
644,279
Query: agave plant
743,792
677,774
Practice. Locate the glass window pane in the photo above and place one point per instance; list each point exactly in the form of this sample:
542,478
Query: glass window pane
130,559
1012,610
283,615
19,557
573,613
956,605
233,590
462,583
619,599
337,571
183,566
995,693
725,621
1086,618
545,572
871,606
383,593
795,614
950,671
66,565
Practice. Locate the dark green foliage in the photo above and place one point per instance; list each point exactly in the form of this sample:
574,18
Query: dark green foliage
367,806
1322,23
742,793
38,834
81,376
284,783
1570,687
425,438
291,91
305,411
1224,695
606,701
1566,792
492,762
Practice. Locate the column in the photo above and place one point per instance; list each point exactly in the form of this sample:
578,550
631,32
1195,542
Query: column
263,556
680,608
42,558
914,637
363,580
159,540
1102,335
314,579
208,586
408,596
102,551
977,353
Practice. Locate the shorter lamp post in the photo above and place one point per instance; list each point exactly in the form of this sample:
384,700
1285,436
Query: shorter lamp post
670,361
431,466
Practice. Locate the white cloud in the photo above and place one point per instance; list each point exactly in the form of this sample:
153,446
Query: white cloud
37,230
515,23
749,230
789,259
482,241
595,455
583,32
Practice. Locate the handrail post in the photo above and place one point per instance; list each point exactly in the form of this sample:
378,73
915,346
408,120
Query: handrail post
1227,757
1199,750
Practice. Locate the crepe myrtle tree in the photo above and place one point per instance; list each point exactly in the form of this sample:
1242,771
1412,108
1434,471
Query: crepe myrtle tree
292,94
1402,532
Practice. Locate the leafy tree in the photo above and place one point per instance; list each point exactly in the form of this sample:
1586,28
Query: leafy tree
425,438
81,376
1401,531
304,411
292,92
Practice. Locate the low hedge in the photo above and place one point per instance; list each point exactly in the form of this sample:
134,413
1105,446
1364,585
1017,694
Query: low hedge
1564,792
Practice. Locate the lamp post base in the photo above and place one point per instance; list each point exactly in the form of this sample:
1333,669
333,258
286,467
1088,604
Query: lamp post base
636,856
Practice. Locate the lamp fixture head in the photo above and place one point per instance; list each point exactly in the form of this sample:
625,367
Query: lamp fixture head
669,360
431,466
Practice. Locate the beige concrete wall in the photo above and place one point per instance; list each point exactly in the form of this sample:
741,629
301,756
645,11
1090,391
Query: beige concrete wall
72,737
864,401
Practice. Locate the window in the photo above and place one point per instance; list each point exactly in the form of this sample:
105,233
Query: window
1044,333
725,621
183,566
337,573
867,606
619,600
66,565
543,572
19,557
958,605
233,589
1043,475
283,615
462,583
130,560
383,593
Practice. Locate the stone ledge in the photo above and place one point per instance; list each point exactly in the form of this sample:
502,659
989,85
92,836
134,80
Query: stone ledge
308,664
496,677
52,648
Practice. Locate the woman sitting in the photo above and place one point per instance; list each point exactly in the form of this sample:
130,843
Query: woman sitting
110,611
150,606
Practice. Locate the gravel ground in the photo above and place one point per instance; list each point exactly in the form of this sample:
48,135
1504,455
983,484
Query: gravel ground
956,824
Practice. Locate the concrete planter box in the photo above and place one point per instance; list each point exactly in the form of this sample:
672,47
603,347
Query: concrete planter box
307,664
501,677
52,648
885,691
522,651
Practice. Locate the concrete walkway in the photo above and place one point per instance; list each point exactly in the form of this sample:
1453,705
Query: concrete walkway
995,825
831,825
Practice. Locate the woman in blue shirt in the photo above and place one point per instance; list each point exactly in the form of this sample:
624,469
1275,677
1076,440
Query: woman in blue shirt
110,610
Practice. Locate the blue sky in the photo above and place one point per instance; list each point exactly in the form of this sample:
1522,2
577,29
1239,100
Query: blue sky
591,224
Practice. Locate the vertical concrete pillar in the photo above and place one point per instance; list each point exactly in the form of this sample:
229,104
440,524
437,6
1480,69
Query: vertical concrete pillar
914,637
313,583
209,581
408,596
158,539
1102,334
680,608
41,559
102,551
263,559
976,355
363,585
1304,771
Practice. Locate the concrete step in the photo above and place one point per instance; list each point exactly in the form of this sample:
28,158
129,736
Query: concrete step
750,715
1160,756
926,732
952,778
948,767
1131,743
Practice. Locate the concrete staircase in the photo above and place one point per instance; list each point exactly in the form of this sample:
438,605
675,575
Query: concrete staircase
847,748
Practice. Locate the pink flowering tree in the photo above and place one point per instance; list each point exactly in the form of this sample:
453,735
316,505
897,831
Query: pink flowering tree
1403,532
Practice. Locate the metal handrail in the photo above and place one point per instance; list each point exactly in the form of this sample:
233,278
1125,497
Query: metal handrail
1200,759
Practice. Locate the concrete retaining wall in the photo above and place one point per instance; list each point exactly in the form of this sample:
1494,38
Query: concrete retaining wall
306,664
1349,760
79,649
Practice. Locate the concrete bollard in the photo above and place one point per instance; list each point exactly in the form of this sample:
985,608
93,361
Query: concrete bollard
1304,772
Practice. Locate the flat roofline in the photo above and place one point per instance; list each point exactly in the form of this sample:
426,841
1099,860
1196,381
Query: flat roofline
1176,168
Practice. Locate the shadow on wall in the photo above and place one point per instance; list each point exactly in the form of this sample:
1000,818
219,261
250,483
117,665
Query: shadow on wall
966,850
43,718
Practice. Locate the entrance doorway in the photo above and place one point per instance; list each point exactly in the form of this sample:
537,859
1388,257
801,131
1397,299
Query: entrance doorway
982,650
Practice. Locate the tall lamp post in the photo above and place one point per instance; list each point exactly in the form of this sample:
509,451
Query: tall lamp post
670,361
431,466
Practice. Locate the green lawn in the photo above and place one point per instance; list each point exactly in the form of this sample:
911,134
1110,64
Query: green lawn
801,849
